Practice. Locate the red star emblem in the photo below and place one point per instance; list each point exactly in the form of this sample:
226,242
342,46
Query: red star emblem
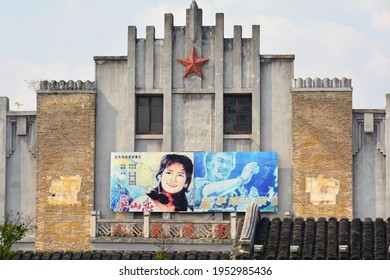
193,64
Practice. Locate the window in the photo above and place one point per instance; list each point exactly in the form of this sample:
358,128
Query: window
237,114
150,115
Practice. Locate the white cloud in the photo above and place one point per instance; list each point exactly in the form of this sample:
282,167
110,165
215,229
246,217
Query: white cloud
381,21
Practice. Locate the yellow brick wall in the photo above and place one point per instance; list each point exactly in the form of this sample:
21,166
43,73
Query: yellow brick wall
322,154
65,170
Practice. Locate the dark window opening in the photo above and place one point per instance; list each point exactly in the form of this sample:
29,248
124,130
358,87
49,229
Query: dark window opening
237,114
149,115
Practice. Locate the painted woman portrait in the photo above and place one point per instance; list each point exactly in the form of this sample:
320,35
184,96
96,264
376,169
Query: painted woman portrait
173,180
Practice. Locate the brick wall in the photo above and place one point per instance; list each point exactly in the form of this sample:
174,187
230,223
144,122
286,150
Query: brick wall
65,169
322,154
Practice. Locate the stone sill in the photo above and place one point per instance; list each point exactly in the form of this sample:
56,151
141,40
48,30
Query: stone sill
237,136
21,113
149,137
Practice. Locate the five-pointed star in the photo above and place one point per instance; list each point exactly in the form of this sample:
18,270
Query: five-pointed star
193,64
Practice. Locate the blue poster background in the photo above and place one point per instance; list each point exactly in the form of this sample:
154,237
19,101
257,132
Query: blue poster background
262,188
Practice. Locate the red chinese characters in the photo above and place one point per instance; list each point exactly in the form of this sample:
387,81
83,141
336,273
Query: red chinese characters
222,231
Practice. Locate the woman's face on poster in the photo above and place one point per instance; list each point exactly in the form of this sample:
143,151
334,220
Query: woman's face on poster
173,178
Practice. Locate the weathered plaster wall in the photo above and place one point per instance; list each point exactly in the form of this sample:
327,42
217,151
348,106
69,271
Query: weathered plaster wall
369,163
192,108
114,113
17,166
277,72
21,163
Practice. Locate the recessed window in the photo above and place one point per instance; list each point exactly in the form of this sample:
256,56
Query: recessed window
237,114
149,115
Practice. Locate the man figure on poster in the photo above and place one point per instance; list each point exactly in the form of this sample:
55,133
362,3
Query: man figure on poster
217,184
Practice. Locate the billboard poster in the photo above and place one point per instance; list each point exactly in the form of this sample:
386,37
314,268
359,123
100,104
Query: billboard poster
231,181
151,182
200,182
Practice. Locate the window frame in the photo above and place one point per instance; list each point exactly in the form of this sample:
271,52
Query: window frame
149,129
237,105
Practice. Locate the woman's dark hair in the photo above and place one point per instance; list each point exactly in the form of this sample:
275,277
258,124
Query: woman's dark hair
179,199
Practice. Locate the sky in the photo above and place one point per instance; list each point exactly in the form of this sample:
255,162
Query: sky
57,39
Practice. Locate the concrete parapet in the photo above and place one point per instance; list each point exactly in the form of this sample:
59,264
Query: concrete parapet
69,85
321,83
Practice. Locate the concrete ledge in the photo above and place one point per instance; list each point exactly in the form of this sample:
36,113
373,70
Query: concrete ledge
21,113
121,57
237,136
149,137
373,111
277,56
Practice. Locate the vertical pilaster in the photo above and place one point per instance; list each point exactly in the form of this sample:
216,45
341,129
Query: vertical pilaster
219,49
146,224
256,88
233,225
167,72
387,150
193,39
4,107
237,57
95,215
149,57
126,135
27,189
21,126
193,16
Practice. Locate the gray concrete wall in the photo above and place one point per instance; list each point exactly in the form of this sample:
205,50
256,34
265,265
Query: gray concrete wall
18,167
277,72
21,163
113,117
193,107
193,122
369,164
4,106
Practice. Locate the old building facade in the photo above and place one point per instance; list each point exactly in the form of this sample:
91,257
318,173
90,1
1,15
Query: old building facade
55,162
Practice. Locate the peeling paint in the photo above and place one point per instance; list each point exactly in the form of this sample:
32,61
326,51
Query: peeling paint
323,191
64,191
